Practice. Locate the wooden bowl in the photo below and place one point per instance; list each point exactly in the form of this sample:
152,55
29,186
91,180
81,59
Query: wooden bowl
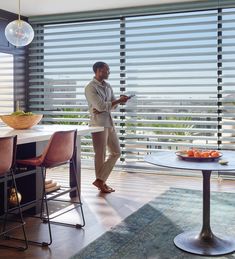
21,121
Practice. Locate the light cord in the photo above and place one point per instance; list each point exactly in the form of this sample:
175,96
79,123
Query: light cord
19,12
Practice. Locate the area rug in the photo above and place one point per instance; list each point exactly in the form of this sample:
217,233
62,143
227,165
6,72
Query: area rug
149,232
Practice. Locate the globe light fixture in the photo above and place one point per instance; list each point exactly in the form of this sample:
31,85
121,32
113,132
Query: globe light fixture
19,33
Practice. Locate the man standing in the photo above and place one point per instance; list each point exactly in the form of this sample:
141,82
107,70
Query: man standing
101,101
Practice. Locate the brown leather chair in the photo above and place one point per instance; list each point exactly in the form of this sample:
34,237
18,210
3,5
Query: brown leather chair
61,149
7,171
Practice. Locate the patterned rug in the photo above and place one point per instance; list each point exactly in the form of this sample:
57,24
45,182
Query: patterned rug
149,232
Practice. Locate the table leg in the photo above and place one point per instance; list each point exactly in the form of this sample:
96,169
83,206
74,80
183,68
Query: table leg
205,243
77,173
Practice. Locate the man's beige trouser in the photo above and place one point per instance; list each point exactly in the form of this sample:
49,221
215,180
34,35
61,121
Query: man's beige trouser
101,141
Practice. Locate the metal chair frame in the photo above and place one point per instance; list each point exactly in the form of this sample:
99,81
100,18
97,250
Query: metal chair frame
11,173
45,198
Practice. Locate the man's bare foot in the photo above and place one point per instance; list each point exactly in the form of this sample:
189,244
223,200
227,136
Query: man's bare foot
101,186
110,188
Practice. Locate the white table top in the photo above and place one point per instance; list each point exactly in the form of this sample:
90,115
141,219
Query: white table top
170,160
44,132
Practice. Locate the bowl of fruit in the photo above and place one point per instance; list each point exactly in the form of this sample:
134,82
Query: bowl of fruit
21,120
200,155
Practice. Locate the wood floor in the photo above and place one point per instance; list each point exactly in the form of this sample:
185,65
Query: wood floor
102,211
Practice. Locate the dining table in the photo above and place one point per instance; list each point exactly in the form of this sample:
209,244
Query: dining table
204,242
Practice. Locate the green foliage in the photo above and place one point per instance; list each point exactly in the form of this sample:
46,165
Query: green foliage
160,125
71,116
21,113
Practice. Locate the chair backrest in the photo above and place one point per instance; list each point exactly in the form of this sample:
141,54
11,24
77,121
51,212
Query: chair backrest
60,148
7,153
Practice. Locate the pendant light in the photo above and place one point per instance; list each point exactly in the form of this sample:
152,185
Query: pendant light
19,33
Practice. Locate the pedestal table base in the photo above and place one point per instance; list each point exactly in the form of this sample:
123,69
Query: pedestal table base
193,243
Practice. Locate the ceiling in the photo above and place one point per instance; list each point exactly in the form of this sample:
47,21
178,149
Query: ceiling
45,7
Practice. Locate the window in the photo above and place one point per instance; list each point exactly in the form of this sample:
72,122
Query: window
227,79
13,70
178,65
6,83
171,66
61,65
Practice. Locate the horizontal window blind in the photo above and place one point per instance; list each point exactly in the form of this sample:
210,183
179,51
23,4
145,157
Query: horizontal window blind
171,66
12,81
6,83
227,79
178,65
60,65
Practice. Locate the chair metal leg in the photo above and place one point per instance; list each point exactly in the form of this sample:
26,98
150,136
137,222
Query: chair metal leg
44,219
46,205
79,204
45,210
5,217
79,197
22,223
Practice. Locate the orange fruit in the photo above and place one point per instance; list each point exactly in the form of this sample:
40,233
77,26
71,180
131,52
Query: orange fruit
190,152
205,154
214,154
211,151
197,154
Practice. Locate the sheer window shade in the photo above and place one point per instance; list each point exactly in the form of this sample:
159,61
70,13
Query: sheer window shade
170,61
12,81
227,77
61,65
6,83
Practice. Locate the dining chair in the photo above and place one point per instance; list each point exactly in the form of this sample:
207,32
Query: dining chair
60,150
7,174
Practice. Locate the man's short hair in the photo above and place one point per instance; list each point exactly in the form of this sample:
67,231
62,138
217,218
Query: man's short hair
98,64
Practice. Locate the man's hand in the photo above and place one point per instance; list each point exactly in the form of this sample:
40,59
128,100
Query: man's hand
96,111
123,99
